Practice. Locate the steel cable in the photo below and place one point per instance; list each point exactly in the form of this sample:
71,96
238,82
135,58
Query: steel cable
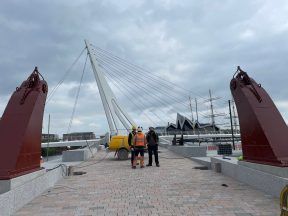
77,96
125,86
121,74
130,82
141,77
164,81
63,78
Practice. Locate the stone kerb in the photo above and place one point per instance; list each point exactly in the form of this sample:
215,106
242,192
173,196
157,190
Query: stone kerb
266,182
278,171
25,191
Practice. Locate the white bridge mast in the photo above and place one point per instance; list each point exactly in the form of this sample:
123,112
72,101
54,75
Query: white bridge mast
112,108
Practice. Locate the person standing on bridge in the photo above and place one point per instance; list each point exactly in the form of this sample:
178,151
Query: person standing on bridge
130,142
152,140
139,143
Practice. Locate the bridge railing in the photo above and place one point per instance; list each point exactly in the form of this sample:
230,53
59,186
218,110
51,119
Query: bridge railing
196,133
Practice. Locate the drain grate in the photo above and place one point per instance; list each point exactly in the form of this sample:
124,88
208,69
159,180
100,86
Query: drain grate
201,168
79,173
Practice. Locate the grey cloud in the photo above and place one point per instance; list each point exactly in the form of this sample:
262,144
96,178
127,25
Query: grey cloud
195,44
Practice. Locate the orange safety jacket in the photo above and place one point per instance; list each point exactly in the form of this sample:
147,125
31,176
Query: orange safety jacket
139,140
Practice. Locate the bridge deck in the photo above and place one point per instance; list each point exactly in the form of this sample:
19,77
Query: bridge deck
111,187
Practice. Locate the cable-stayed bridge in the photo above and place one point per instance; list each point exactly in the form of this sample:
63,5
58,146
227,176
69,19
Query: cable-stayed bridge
152,97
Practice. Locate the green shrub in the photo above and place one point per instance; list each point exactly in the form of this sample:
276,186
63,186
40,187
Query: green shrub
240,158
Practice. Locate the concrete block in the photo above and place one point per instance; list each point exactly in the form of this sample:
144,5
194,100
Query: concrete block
77,154
188,151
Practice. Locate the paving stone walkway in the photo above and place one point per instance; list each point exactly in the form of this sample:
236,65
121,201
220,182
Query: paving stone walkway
111,187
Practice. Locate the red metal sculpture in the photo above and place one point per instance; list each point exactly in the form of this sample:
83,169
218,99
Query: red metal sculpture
264,133
21,127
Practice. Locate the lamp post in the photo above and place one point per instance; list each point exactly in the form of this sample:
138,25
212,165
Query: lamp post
232,132
47,154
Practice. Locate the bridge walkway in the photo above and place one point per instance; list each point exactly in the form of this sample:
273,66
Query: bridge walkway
111,187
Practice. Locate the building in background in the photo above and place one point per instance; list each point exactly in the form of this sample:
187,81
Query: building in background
79,136
50,138
183,124
161,130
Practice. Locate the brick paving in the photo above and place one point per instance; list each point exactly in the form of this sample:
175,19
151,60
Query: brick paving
111,187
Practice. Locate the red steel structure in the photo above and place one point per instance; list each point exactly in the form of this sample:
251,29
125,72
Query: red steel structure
21,127
264,133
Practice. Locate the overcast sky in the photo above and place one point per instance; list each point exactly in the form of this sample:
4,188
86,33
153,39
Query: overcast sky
197,44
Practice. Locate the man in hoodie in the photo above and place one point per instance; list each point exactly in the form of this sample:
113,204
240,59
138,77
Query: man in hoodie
152,143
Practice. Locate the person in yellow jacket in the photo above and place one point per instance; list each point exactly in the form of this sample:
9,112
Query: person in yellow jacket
130,143
139,143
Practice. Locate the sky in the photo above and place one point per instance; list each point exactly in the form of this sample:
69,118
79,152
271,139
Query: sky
195,44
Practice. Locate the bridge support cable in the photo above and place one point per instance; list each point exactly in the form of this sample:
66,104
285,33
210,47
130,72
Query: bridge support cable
153,90
136,85
64,77
125,85
131,83
77,96
143,84
146,79
164,82
143,77
131,99
108,60
125,67
122,76
109,101
160,91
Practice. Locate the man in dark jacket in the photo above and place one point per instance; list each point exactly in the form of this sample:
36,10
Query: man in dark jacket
152,140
